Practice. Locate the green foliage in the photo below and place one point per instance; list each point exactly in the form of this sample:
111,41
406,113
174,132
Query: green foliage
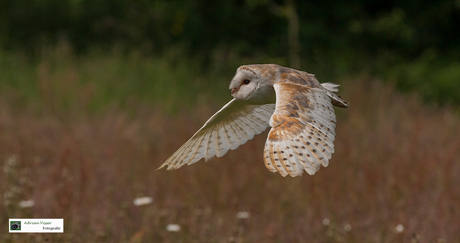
203,25
434,78
58,80
210,38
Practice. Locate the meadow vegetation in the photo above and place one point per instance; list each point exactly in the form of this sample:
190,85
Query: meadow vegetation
96,94
82,137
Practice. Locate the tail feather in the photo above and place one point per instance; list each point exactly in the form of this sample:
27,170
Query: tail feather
331,87
335,99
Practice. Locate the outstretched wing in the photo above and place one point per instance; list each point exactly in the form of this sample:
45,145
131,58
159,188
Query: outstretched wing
233,125
303,129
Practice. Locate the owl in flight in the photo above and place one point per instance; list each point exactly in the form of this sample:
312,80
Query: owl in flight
293,103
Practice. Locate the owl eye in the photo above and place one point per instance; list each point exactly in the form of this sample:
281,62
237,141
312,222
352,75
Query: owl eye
246,81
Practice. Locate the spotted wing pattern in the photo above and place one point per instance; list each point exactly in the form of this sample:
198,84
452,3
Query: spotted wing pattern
233,125
303,130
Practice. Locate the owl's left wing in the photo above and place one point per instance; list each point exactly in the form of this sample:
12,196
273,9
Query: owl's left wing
233,125
303,130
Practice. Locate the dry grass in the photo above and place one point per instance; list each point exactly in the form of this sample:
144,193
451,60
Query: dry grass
396,162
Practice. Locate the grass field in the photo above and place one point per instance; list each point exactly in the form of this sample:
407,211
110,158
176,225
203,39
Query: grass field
82,155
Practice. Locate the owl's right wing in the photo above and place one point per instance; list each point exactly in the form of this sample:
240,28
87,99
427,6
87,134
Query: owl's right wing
233,125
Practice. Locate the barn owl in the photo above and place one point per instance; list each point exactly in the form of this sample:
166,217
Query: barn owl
293,103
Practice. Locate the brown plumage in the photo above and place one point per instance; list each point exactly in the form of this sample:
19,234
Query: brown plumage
293,103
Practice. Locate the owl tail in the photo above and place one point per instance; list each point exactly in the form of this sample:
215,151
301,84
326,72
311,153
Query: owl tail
335,99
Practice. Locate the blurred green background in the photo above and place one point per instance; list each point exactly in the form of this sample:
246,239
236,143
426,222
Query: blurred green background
149,45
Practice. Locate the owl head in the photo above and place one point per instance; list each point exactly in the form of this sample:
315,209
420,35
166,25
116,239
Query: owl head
251,82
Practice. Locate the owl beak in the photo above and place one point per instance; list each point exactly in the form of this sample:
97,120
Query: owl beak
235,89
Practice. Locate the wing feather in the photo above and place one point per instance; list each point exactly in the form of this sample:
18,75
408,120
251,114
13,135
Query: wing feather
268,157
224,141
278,159
233,137
213,143
246,127
233,125
303,129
